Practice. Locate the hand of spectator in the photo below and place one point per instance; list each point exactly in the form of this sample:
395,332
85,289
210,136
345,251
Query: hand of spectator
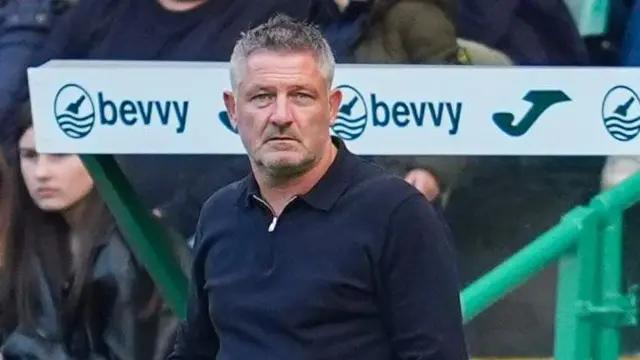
425,182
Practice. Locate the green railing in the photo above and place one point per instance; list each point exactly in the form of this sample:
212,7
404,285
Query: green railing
591,306
148,239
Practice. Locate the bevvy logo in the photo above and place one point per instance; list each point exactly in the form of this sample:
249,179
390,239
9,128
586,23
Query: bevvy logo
621,113
78,111
74,111
358,110
352,115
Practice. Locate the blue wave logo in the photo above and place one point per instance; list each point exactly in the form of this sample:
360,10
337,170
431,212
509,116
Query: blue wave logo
352,116
621,113
223,116
74,111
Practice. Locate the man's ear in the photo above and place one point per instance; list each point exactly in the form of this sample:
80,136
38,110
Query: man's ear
335,99
230,104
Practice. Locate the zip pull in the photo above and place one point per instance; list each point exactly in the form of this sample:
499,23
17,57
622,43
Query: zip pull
273,224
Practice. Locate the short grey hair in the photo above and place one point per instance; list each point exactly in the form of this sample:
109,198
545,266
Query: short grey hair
282,34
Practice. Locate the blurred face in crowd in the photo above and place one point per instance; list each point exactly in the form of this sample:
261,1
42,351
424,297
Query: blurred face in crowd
283,109
55,182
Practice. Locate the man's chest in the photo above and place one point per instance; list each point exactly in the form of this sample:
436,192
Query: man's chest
309,268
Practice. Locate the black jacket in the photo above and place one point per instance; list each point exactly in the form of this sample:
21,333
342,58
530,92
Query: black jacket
109,322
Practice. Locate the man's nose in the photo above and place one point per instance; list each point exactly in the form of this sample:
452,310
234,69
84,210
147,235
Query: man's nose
281,112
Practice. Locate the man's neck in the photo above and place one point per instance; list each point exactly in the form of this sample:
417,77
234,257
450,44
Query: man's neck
277,196
181,5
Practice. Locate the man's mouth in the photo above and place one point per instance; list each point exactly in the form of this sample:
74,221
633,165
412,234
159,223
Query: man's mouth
281,138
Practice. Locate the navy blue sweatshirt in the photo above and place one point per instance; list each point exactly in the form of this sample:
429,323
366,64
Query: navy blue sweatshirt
24,26
361,267
144,30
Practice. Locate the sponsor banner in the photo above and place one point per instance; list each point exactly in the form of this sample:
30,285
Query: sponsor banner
96,107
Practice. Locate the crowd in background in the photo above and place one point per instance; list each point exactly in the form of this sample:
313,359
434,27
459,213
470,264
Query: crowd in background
69,284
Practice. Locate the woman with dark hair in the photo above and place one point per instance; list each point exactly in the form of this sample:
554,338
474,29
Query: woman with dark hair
70,288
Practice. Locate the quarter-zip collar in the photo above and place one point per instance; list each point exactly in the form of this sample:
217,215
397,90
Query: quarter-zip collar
326,192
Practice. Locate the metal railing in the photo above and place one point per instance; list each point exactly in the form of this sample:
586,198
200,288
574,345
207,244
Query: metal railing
592,307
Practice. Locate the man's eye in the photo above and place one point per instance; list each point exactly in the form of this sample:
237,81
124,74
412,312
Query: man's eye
262,97
304,96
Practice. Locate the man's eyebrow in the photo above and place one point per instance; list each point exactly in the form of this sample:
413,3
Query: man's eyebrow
260,88
304,87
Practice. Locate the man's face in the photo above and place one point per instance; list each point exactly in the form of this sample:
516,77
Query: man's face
283,109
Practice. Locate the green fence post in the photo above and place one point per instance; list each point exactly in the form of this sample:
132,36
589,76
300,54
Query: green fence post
610,285
577,277
617,309
148,240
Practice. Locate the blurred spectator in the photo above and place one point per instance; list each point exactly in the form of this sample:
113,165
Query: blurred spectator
394,31
409,32
5,205
630,55
342,33
398,31
540,32
606,49
70,288
199,30
24,26
437,176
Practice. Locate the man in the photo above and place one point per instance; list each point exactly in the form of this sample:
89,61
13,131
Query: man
317,254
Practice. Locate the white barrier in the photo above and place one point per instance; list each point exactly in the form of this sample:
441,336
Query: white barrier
94,107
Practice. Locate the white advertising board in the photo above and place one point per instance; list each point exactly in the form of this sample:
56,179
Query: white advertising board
97,107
